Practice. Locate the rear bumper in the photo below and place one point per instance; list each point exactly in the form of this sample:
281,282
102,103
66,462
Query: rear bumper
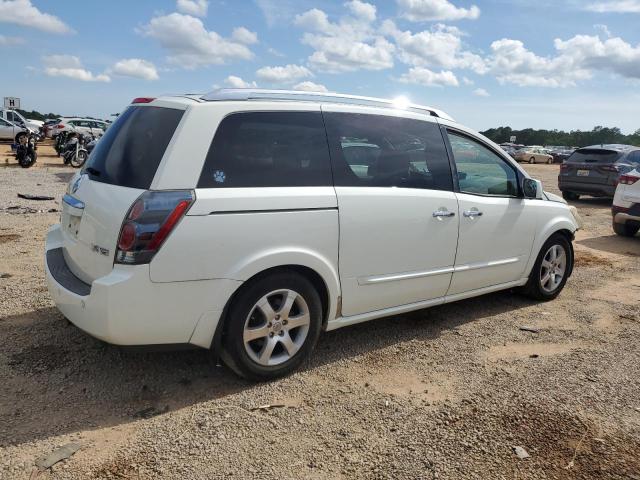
126,308
594,189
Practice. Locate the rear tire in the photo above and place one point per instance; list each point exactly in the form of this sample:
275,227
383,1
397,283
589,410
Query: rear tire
570,195
550,161
532,160
551,270
625,229
272,326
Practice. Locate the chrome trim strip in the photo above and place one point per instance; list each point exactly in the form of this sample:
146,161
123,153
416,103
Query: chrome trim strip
438,271
402,276
73,202
493,263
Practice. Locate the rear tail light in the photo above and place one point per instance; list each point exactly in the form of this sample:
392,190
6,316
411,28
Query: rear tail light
148,223
628,179
143,100
60,125
564,167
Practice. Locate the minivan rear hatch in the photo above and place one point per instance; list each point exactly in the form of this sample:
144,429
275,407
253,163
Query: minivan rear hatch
120,168
591,165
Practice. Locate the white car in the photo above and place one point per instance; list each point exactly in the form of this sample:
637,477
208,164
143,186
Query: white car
248,221
9,131
17,119
80,125
626,204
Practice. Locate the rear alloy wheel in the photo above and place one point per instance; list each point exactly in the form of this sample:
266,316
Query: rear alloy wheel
272,326
625,229
532,160
549,161
551,270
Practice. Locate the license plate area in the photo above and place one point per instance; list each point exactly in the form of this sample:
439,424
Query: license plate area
70,223
583,173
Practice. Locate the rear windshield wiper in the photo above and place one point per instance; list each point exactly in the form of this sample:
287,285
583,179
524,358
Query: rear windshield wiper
92,171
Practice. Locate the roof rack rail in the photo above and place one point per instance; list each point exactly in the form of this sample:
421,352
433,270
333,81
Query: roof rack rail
223,94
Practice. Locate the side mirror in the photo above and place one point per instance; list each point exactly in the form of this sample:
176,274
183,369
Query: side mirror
532,188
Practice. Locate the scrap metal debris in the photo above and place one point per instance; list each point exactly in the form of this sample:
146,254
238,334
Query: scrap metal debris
28,196
57,455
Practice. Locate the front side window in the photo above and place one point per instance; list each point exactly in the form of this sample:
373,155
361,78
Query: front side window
385,151
480,170
634,157
268,149
4,123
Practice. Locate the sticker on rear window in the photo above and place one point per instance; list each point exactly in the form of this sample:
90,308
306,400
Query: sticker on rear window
219,176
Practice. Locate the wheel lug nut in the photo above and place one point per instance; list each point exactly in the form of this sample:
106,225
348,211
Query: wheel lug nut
270,325
277,317
284,322
281,333
270,334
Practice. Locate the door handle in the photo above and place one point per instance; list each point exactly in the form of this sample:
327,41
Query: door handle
443,213
472,213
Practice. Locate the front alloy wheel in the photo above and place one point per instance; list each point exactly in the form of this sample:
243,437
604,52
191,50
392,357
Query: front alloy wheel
551,270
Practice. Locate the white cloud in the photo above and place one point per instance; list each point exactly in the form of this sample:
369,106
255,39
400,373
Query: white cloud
10,41
481,92
275,53
577,59
189,44
197,8
439,47
352,43
467,81
284,74
24,13
434,10
604,29
308,86
615,6
424,76
244,35
71,67
237,82
137,68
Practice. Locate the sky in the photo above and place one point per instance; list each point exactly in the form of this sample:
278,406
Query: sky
563,64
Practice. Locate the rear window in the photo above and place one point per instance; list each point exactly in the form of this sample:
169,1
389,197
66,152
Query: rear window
268,149
594,155
129,153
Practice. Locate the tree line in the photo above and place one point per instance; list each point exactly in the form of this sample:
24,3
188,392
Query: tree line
574,138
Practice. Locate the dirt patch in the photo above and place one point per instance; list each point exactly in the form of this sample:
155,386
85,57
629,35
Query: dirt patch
585,258
515,351
409,384
39,359
8,237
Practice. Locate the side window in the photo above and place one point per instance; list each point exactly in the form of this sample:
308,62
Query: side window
268,149
480,170
385,151
4,123
12,117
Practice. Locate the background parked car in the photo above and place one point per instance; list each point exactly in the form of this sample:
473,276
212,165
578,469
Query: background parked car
85,126
561,154
17,119
11,131
533,155
596,170
626,204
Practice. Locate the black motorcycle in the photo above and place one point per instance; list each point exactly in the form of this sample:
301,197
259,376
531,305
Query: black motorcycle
61,142
26,151
75,152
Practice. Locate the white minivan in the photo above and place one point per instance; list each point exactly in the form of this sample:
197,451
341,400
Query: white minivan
249,221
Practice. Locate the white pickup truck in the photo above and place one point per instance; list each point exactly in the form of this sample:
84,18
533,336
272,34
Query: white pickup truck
17,119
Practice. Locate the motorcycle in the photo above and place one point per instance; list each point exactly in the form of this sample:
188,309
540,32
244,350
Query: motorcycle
75,152
26,150
61,142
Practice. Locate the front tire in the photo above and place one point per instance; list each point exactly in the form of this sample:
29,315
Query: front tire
272,326
625,229
570,195
532,160
551,270
78,160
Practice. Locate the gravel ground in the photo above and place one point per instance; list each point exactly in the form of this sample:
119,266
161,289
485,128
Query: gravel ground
442,393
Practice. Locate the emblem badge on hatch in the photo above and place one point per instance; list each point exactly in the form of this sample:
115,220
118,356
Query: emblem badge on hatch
76,184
